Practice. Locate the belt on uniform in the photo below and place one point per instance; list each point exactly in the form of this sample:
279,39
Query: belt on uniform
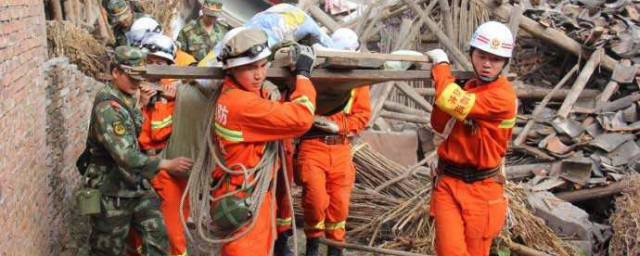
467,174
329,139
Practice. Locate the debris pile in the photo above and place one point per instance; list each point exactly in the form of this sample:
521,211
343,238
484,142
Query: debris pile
390,208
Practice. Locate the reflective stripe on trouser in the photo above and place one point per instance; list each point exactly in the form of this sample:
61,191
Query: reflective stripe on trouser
467,216
169,189
327,175
284,214
110,227
259,240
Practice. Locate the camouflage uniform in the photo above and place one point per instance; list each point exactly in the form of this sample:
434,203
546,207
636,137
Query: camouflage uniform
121,171
194,38
117,9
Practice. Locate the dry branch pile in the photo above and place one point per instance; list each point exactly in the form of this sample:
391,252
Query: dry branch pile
626,220
65,39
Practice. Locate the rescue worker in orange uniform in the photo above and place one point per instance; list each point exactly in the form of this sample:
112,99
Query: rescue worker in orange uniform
325,163
156,129
468,200
245,122
341,39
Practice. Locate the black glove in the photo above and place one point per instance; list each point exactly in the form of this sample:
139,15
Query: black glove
304,57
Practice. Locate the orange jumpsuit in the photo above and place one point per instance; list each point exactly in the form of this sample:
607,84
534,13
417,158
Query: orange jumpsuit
244,123
285,215
469,215
156,129
327,172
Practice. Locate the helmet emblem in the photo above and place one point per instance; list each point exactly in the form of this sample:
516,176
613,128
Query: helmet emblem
495,43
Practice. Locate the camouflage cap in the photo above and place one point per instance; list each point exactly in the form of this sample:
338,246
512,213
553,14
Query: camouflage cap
212,7
118,10
130,60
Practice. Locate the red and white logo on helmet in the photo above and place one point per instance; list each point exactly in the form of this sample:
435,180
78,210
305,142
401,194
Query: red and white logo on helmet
493,37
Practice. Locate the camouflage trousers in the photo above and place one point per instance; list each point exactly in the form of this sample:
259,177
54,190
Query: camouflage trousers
111,226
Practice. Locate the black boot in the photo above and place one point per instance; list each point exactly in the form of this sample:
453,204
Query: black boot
312,246
281,247
334,251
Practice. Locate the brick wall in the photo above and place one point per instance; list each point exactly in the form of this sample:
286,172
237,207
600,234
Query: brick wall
69,99
44,106
23,154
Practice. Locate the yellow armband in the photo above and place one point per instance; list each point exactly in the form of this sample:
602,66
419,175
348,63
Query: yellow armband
455,101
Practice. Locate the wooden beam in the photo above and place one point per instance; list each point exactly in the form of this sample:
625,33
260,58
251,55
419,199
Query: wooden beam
358,247
56,9
413,95
516,172
580,83
620,103
527,92
611,88
320,74
540,107
378,98
447,19
323,18
397,107
547,34
405,117
327,53
444,39
514,25
590,193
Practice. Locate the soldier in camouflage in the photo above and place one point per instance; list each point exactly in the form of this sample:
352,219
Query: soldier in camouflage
200,36
121,17
119,169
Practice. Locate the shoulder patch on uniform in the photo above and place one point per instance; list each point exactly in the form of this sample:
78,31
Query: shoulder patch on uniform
114,104
118,128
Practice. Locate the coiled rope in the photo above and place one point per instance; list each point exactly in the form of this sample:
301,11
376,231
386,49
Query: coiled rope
201,185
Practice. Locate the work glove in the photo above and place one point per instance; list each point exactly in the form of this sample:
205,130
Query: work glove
325,124
437,56
304,57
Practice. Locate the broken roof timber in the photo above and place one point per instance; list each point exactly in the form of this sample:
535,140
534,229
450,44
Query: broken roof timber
557,37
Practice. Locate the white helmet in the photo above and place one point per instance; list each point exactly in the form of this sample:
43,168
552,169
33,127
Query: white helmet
242,46
345,39
141,28
161,46
493,37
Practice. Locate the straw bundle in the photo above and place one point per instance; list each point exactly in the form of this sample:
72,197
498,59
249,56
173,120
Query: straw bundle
65,39
625,221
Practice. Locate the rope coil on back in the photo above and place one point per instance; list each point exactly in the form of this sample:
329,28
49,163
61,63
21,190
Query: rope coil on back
201,185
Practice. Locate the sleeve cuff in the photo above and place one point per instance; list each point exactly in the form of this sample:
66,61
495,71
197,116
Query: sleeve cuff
150,168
